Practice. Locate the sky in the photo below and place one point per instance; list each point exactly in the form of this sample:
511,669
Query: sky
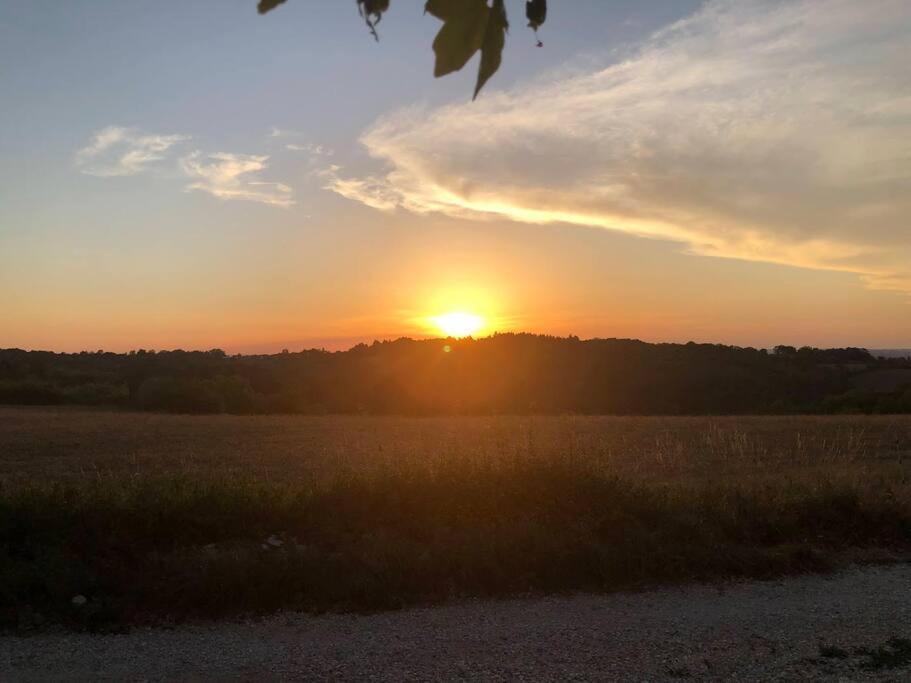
194,175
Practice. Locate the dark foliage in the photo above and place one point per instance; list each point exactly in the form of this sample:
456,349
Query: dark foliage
150,550
469,27
507,373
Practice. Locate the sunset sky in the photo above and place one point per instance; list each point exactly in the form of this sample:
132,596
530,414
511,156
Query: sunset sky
191,174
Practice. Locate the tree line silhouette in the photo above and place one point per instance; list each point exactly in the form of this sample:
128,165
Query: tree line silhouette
506,373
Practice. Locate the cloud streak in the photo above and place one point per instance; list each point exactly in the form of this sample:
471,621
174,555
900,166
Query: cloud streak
119,151
312,149
234,176
765,130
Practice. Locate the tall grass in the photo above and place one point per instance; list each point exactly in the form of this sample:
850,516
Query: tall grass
76,445
157,548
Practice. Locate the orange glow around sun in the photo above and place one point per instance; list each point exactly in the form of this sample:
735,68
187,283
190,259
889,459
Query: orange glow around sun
458,323
461,309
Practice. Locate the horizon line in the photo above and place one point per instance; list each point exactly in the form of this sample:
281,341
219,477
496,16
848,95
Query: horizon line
285,348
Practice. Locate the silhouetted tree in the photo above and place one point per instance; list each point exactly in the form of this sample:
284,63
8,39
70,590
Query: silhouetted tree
506,373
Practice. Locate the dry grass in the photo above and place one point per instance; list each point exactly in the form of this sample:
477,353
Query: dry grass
72,444
156,517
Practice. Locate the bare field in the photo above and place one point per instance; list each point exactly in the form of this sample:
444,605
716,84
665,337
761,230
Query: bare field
67,444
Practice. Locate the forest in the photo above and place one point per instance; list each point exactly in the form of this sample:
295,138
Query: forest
502,374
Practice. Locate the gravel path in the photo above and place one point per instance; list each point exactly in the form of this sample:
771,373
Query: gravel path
808,627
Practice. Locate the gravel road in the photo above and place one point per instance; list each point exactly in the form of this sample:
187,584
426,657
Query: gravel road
831,628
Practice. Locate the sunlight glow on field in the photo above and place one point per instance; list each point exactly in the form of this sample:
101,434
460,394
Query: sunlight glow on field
458,323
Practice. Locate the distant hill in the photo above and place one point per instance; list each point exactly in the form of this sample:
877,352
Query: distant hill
891,353
505,373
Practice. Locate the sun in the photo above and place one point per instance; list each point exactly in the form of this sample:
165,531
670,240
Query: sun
458,323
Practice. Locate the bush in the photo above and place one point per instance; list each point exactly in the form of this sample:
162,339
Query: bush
172,395
95,394
218,395
30,392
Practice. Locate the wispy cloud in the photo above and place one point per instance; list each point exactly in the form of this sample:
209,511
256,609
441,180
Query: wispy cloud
311,149
377,193
119,151
766,130
235,176
277,132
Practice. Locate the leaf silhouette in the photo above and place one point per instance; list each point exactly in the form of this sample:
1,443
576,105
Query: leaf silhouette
463,32
268,5
372,11
492,47
536,12
468,26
